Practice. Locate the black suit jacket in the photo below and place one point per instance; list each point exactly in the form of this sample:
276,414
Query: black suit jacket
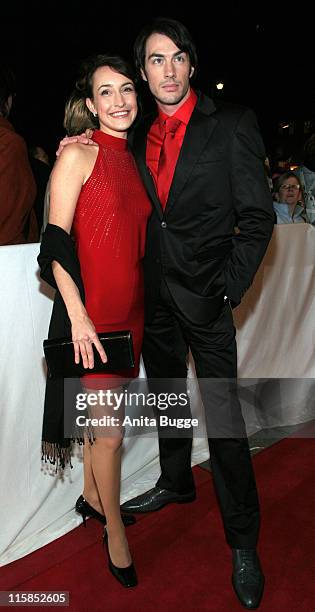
219,183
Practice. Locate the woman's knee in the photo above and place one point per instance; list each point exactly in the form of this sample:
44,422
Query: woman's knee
110,443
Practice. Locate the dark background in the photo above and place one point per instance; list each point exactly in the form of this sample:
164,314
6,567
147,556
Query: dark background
264,54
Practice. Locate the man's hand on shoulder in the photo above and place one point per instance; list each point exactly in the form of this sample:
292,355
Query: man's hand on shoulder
85,138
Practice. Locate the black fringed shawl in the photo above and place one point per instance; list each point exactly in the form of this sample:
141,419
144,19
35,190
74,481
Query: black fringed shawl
59,246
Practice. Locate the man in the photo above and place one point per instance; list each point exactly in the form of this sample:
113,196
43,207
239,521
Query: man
17,186
205,175
195,267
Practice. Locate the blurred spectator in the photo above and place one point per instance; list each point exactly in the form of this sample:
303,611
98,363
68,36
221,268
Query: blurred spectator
268,173
37,152
306,174
17,186
75,122
288,199
41,169
280,158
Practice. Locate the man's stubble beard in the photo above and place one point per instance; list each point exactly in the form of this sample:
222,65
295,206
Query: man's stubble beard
167,102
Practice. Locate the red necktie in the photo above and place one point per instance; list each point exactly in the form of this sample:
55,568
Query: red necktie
168,158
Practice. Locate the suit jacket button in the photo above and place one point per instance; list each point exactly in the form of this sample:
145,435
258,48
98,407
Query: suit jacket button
164,224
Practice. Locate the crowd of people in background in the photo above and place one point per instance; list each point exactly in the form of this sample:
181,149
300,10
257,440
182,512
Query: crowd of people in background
25,170
292,182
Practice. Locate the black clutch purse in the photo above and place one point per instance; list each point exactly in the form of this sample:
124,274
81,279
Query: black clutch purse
59,354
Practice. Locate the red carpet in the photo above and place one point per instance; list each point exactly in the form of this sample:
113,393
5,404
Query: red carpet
180,552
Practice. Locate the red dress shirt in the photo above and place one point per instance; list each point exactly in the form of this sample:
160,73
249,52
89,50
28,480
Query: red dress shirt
156,133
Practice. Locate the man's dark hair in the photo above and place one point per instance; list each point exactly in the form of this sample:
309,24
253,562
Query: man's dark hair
171,28
7,88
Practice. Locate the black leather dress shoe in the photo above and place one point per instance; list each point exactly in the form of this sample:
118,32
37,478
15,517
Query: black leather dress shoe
155,499
247,578
84,508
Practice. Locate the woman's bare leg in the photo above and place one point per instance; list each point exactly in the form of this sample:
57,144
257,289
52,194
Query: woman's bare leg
90,492
105,465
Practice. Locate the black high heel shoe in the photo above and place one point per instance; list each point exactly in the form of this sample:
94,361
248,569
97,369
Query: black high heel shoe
84,508
125,575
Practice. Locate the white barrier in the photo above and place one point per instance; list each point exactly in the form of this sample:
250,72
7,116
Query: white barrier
275,326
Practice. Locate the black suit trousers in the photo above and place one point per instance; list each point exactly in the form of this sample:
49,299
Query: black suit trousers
167,340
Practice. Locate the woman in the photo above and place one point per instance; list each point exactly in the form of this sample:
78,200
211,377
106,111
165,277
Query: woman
98,197
288,199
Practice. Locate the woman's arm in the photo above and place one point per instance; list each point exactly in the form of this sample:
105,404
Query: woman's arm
69,174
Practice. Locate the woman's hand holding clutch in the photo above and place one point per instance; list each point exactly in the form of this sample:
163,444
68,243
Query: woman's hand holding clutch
83,336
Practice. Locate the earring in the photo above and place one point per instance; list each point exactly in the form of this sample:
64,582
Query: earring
94,114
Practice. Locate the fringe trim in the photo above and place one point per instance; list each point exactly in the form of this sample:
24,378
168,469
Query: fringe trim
60,456
56,454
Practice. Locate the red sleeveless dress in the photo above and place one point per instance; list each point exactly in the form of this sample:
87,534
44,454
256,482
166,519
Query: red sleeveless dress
109,227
